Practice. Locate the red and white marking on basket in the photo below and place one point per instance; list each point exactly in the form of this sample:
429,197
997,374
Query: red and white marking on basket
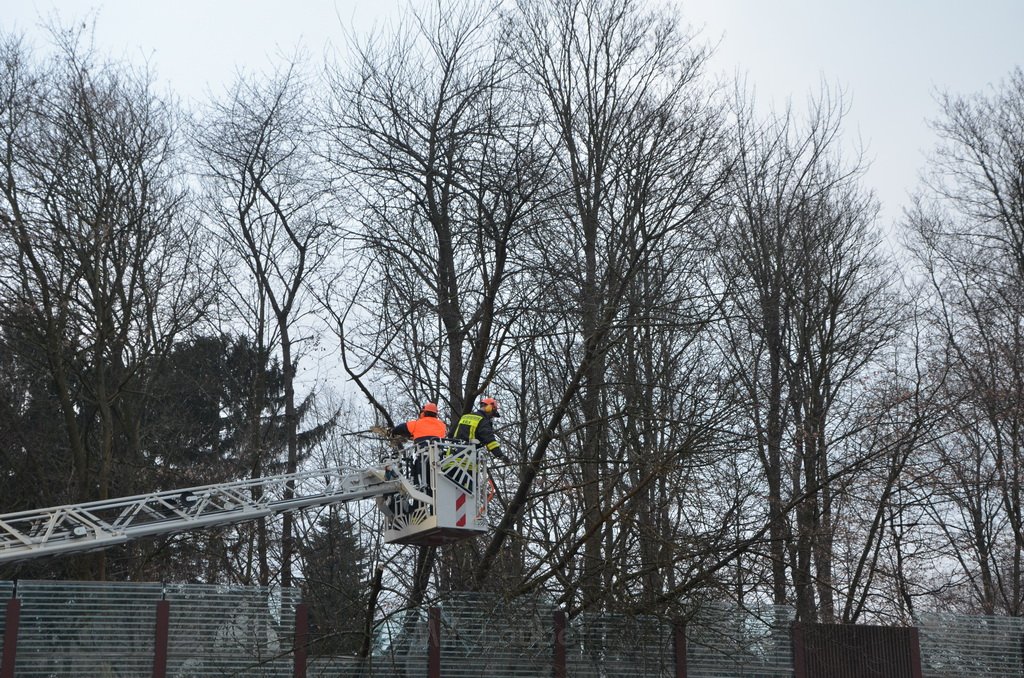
460,511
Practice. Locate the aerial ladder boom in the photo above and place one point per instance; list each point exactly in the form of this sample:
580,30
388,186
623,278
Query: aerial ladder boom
409,491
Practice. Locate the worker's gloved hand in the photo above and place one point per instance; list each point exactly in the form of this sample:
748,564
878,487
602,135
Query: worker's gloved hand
381,431
500,456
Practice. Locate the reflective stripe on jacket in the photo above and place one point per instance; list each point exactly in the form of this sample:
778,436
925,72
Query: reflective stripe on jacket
476,426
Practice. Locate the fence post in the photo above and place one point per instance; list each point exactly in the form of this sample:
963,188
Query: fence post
799,666
160,641
11,635
679,647
301,642
915,653
559,666
434,643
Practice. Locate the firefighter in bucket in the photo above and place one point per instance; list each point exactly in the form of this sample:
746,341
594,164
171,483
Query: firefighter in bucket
426,428
475,428
478,427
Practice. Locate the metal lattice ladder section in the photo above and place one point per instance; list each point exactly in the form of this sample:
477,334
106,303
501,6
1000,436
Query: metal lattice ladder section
100,524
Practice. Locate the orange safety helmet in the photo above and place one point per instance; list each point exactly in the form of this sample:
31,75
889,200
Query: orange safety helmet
489,406
429,408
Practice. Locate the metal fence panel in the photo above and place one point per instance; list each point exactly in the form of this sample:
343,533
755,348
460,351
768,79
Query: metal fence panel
86,629
483,635
960,646
621,646
399,650
856,651
231,631
733,643
340,667
108,629
6,591
402,660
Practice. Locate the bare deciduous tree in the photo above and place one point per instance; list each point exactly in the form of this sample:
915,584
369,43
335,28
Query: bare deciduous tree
638,167
436,156
967,229
271,204
102,259
810,308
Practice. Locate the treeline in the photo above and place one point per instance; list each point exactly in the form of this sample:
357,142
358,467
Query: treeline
720,379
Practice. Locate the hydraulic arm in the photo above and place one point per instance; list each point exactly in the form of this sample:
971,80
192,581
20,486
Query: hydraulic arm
99,524
434,494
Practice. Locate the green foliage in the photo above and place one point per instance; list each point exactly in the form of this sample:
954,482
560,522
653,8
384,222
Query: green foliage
35,446
214,410
336,574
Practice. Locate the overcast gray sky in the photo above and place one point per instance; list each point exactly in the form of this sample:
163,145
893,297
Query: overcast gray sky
889,55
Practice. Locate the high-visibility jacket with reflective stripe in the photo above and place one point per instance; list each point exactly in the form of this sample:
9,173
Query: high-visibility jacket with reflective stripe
477,426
